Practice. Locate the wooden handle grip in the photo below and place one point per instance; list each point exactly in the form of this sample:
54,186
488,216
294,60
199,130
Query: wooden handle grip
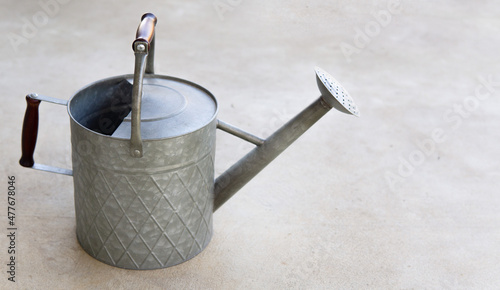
146,30
30,132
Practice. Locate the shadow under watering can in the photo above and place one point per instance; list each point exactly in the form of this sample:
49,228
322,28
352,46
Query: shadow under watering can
143,149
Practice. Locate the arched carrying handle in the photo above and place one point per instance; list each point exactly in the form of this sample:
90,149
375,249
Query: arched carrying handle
144,63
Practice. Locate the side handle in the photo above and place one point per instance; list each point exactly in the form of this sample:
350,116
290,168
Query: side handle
30,134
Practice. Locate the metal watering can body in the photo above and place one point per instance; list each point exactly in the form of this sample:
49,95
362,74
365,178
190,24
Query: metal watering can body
145,212
144,195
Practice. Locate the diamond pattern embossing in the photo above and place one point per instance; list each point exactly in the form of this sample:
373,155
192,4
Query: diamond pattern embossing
144,213
145,221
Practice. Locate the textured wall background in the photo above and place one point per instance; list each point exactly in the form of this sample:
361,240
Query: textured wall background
404,197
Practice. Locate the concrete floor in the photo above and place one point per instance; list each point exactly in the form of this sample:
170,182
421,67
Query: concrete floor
407,196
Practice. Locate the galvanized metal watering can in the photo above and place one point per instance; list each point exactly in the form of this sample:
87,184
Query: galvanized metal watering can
143,149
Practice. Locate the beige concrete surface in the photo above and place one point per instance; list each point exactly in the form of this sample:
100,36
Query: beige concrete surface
405,197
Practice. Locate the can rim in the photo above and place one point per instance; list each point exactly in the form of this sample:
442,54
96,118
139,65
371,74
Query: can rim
128,76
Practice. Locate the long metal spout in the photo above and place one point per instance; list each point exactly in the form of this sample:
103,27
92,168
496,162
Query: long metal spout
333,96
228,183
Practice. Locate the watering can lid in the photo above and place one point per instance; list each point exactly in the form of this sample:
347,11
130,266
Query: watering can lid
170,107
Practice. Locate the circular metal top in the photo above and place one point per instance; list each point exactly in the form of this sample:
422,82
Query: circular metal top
170,107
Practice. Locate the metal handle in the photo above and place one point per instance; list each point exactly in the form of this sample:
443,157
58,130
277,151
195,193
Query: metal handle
30,134
144,51
235,131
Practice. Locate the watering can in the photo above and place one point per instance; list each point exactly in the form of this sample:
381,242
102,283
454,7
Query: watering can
143,149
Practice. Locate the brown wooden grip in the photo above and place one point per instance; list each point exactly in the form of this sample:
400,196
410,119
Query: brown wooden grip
146,30
30,132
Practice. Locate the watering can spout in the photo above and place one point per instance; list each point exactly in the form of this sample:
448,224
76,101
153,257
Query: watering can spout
333,95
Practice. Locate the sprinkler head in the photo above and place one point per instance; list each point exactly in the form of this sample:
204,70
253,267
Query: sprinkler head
334,94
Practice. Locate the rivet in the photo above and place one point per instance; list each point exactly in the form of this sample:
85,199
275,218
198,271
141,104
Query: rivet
141,47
